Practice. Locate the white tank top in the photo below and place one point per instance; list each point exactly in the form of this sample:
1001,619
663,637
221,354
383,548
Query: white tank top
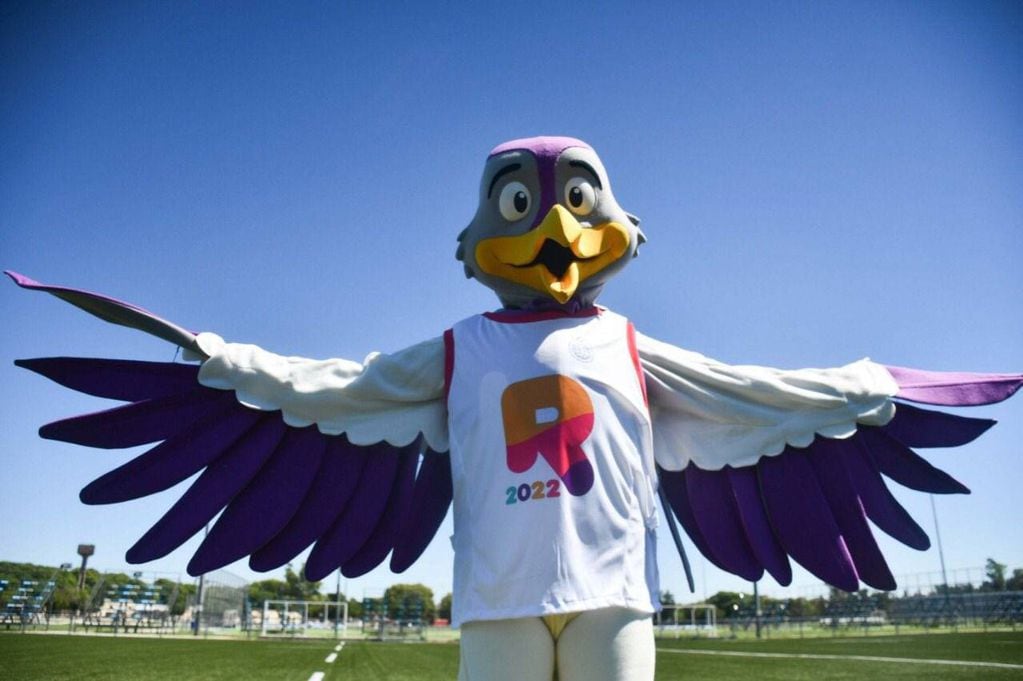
552,466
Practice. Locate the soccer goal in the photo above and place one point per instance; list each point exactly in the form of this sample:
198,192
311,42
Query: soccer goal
694,619
304,619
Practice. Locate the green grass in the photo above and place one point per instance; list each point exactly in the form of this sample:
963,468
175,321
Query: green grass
33,657
698,660
92,658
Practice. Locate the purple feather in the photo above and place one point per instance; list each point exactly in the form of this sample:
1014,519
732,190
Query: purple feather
905,467
138,423
713,504
431,498
765,546
174,460
360,517
379,544
878,503
114,311
333,486
802,519
674,485
217,485
916,427
954,389
828,460
272,498
117,379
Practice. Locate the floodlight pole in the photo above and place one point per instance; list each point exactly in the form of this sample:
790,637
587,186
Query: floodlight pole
337,600
937,534
197,616
199,600
941,555
756,607
84,550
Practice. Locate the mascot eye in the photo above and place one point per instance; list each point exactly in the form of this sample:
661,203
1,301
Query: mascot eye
580,196
514,201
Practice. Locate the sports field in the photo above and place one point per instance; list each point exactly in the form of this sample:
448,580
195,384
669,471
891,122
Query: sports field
939,656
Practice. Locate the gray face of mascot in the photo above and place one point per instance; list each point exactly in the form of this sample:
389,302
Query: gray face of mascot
548,231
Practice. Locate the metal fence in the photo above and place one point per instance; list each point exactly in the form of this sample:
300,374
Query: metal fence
221,603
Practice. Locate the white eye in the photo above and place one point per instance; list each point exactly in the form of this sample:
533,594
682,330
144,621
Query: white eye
580,196
514,201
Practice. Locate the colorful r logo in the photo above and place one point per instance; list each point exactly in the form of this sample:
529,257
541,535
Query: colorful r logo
549,416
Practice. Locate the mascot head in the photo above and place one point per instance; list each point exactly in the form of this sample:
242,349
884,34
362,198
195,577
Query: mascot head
548,231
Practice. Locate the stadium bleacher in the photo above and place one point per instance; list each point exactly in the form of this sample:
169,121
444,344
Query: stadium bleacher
28,603
993,607
134,605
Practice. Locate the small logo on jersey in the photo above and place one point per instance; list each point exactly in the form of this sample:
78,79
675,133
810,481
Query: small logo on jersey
580,350
549,416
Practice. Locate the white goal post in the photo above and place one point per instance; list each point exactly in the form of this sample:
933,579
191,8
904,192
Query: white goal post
697,617
303,618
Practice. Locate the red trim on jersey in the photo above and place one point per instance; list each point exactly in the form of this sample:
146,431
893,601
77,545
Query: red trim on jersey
634,353
525,317
449,360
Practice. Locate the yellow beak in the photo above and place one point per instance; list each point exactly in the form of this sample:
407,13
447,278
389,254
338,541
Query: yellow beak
556,256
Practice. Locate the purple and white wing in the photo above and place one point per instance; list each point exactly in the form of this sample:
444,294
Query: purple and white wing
761,465
357,488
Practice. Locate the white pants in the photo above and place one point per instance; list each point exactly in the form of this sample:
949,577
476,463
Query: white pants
610,644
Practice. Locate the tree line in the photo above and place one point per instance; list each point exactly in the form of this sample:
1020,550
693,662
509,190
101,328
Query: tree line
68,597
398,597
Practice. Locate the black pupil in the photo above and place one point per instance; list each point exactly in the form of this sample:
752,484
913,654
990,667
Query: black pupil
521,201
575,196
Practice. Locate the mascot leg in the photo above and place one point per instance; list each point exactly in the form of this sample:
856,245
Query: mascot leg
610,644
506,650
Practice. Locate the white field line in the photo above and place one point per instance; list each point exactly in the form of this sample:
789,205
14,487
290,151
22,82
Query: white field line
865,658
318,676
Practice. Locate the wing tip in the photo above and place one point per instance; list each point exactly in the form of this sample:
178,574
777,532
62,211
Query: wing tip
954,388
139,554
258,563
21,280
783,573
38,365
848,583
956,487
355,569
90,496
882,583
318,570
56,432
203,562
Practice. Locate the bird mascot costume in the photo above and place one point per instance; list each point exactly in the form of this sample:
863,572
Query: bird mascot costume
552,426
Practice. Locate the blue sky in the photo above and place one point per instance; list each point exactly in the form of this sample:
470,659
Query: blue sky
818,181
